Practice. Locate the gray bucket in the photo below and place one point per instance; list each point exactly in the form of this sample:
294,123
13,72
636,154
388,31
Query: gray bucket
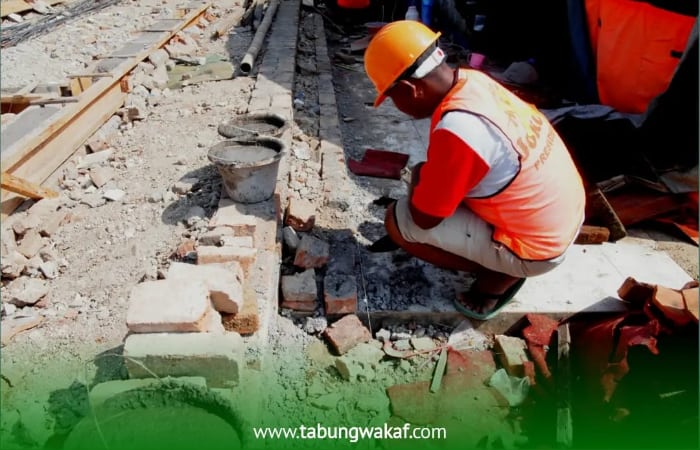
250,126
248,167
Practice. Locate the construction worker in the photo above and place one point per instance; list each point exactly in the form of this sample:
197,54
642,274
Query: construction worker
498,195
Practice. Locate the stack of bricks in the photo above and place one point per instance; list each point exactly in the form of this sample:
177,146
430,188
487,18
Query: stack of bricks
191,322
299,290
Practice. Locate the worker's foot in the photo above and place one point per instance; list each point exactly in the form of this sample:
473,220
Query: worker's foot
483,305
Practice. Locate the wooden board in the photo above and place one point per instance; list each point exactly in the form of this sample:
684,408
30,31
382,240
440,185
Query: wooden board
38,153
14,6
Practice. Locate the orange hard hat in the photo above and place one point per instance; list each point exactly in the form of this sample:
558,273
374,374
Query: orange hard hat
396,48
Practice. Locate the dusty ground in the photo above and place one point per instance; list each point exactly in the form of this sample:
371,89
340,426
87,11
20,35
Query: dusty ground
107,248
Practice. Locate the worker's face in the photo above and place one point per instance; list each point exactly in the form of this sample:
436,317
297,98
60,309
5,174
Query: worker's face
412,97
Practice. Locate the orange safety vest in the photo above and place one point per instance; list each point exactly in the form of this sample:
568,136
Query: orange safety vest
538,215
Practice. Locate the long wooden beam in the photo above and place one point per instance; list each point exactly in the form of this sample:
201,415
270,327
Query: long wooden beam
39,153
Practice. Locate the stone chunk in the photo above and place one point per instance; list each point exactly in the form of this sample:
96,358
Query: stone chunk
301,215
340,294
225,289
346,333
31,243
168,306
247,320
215,357
25,291
311,253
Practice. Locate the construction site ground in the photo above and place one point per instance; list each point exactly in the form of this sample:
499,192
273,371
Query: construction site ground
170,190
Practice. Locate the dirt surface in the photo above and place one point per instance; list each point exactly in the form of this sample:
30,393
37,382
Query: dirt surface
169,188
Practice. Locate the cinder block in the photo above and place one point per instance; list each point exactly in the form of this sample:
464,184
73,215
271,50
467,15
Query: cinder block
340,294
311,253
225,288
215,357
168,306
346,333
208,254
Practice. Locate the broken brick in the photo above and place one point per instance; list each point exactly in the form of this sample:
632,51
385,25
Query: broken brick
592,235
634,292
168,306
52,222
231,214
475,365
247,320
225,289
671,304
311,253
511,353
186,250
207,254
300,288
346,333
415,403
301,215
690,297
340,294
213,237
31,243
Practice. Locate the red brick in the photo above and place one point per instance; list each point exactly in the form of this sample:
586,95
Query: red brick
635,292
168,306
476,366
340,294
346,333
300,306
301,215
311,253
207,254
247,320
670,303
415,403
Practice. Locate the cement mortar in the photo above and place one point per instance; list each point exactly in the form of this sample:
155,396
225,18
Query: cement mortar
171,415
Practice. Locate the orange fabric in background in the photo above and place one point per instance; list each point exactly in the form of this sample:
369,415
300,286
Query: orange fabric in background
634,52
592,18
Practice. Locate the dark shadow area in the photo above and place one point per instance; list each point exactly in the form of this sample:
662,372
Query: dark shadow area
199,196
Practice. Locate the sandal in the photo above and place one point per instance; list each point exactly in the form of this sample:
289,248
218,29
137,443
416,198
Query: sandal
503,300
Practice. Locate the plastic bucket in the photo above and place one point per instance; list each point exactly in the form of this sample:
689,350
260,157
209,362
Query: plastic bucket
248,167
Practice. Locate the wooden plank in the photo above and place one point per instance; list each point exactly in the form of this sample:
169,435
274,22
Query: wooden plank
29,145
8,7
24,187
55,151
439,371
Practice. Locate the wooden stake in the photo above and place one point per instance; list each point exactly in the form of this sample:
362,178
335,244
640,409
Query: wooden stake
565,429
23,187
439,371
